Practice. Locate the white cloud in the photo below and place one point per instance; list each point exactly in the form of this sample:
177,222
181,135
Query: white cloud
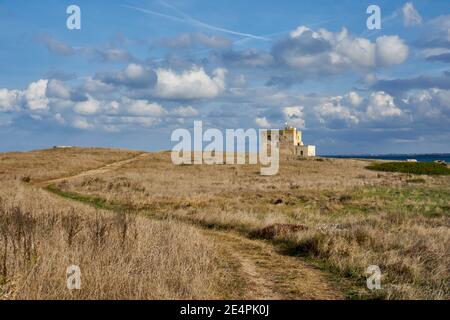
381,105
335,108
432,104
96,86
351,109
133,76
185,112
58,89
9,99
411,16
35,95
354,98
294,116
323,51
190,84
391,50
81,123
352,50
143,108
134,71
262,122
88,107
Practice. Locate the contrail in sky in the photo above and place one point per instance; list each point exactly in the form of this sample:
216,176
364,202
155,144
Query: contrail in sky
185,18
188,19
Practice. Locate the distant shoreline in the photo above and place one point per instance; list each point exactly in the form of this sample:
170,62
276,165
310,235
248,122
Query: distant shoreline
430,157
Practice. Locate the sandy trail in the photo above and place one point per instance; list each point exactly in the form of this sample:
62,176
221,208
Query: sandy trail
104,169
268,274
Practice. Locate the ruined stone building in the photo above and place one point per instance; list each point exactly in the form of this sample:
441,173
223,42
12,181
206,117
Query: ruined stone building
290,143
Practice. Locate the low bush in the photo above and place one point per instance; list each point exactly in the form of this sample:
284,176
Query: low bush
430,168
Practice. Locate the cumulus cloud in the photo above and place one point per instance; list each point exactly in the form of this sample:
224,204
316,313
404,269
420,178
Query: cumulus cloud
327,52
57,102
262,122
133,76
430,104
339,108
35,95
354,98
88,107
333,111
57,89
351,109
391,50
189,84
92,86
381,105
294,116
9,99
143,108
411,16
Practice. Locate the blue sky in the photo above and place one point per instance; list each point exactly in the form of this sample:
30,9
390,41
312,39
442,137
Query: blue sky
137,70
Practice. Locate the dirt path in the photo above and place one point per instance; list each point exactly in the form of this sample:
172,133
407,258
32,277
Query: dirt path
262,272
104,169
268,274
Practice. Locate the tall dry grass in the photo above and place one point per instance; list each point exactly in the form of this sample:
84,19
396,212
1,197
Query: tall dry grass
120,255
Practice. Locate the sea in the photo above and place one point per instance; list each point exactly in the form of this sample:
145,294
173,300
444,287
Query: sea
400,157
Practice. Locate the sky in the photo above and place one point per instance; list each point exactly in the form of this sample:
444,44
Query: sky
138,70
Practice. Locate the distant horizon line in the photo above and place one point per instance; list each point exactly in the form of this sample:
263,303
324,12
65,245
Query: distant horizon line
320,155
386,154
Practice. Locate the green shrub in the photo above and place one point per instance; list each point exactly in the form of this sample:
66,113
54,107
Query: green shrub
411,167
416,180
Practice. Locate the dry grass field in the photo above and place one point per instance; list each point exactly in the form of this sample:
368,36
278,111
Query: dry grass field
48,164
121,256
220,231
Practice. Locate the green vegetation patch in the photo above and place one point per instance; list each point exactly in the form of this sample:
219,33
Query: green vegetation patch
95,202
431,168
408,200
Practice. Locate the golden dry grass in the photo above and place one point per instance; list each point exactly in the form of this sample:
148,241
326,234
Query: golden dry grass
54,163
121,256
354,217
